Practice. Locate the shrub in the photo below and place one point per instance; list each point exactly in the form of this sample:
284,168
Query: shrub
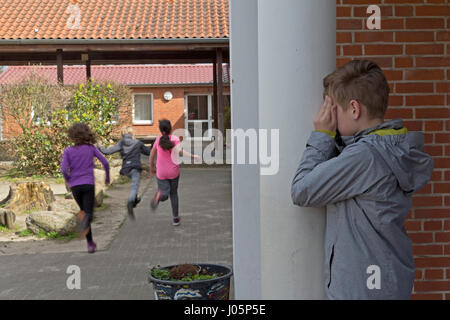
40,145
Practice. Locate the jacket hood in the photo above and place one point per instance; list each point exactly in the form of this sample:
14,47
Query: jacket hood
128,143
403,152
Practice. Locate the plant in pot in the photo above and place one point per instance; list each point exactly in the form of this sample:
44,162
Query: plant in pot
191,282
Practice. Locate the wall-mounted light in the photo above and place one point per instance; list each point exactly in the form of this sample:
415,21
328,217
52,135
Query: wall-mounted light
168,95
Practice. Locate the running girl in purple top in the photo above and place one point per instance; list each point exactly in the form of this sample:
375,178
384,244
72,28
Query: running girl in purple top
77,166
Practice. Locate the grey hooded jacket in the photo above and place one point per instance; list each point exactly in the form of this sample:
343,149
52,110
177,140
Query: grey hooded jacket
366,187
130,151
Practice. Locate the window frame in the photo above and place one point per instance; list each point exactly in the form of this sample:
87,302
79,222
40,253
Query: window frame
143,122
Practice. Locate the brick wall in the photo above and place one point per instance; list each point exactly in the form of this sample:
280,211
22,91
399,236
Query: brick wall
413,48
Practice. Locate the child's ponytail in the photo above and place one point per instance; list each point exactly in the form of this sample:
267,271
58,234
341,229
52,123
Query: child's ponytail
166,128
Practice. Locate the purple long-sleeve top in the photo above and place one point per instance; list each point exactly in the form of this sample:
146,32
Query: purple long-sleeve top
77,164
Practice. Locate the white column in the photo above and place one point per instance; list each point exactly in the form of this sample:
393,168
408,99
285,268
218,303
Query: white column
280,52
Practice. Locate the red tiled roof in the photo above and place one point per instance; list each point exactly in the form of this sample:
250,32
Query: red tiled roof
124,74
114,19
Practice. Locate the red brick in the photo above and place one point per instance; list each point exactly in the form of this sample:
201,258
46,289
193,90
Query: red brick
447,250
343,12
374,36
387,49
432,262
394,24
404,11
425,23
442,138
421,237
349,24
432,225
429,138
447,222
447,153
422,286
424,49
393,75
413,125
426,296
432,213
442,87
396,100
447,175
435,151
403,1
424,75
361,2
441,187
428,11
412,225
436,175
443,35
403,62
414,36
433,113
442,163
434,125
419,274
352,50
414,87
428,250
421,201
343,37
434,274
404,113
442,237
425,100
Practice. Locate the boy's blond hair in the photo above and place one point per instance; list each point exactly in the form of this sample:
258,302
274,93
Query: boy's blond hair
128,130
360,80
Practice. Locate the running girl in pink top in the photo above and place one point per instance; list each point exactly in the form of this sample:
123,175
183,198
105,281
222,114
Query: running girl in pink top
167,149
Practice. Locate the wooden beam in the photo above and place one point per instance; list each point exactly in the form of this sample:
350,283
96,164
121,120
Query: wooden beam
215,95
60,67
88,69
124,47
219,58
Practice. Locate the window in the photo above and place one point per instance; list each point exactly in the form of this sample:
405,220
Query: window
143,108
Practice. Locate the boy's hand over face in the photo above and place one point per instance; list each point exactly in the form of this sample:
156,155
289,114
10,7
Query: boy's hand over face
326,118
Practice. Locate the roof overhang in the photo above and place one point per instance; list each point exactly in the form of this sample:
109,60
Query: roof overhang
112,51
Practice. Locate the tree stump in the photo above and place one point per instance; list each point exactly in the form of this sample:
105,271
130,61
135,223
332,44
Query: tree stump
29,196
7,218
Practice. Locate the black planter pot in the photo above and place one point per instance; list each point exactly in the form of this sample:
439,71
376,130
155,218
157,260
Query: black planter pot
213,289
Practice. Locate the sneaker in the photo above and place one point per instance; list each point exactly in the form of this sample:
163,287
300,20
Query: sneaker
155,201
136,201
176,221
91,247
83,225
130,210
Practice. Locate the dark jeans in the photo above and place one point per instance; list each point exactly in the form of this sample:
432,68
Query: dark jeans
135,176
169,188
84,195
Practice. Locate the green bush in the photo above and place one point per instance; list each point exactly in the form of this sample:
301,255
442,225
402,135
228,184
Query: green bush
41,144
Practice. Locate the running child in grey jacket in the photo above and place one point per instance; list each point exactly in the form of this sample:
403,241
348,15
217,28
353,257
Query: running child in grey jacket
130,151
364,170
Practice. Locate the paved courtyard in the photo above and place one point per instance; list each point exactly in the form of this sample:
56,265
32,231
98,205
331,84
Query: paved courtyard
120,270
